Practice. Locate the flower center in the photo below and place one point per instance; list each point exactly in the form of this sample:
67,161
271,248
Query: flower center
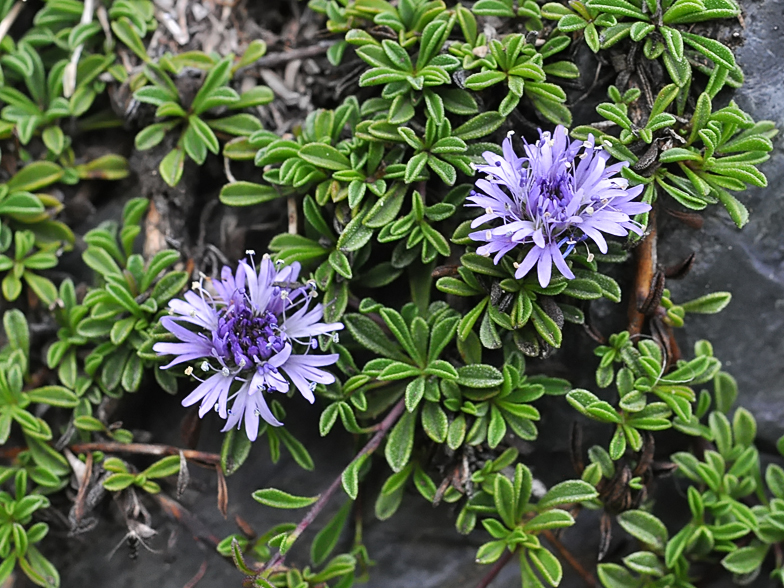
250,338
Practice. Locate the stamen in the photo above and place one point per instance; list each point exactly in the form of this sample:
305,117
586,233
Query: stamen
188,371
205,366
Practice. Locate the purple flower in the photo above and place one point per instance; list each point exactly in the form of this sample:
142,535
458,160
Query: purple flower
560,194
255,336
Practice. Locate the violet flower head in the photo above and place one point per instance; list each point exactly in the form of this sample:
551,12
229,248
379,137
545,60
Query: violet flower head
560,194
256,335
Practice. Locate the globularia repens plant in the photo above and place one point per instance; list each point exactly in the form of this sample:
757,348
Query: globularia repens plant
449,226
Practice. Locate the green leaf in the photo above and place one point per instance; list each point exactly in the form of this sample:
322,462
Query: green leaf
415,391
415,166
479,126
54,396
615,576
247,194
717,52
546,326
355,235
204,133
746,559
234,451
172,165
708,304
327,538
505,500
280,499
483,80
547,565
744,427
117,482
619,8
100,261
168,466
218,76
738,212
401,442
369,334
126,32
479,376
15,326
645,527
350,476
35,176
567,492
168,287
324,156
434,421
491,551
551,519
339,262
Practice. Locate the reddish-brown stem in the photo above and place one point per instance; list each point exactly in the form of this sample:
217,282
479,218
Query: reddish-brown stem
142,448
325,496
645,255
199,575
211,459
276,59
499,565
570,559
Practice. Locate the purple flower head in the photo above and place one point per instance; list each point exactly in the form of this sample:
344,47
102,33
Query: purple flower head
257,330
560,194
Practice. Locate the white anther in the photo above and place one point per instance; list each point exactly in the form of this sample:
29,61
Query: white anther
188,371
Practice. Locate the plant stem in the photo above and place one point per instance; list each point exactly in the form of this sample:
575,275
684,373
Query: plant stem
142,448
325,496
570,559
200,457
276,59
496,569
9,19
647,260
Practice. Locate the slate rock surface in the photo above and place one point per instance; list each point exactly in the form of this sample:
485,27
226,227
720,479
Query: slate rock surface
419,546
